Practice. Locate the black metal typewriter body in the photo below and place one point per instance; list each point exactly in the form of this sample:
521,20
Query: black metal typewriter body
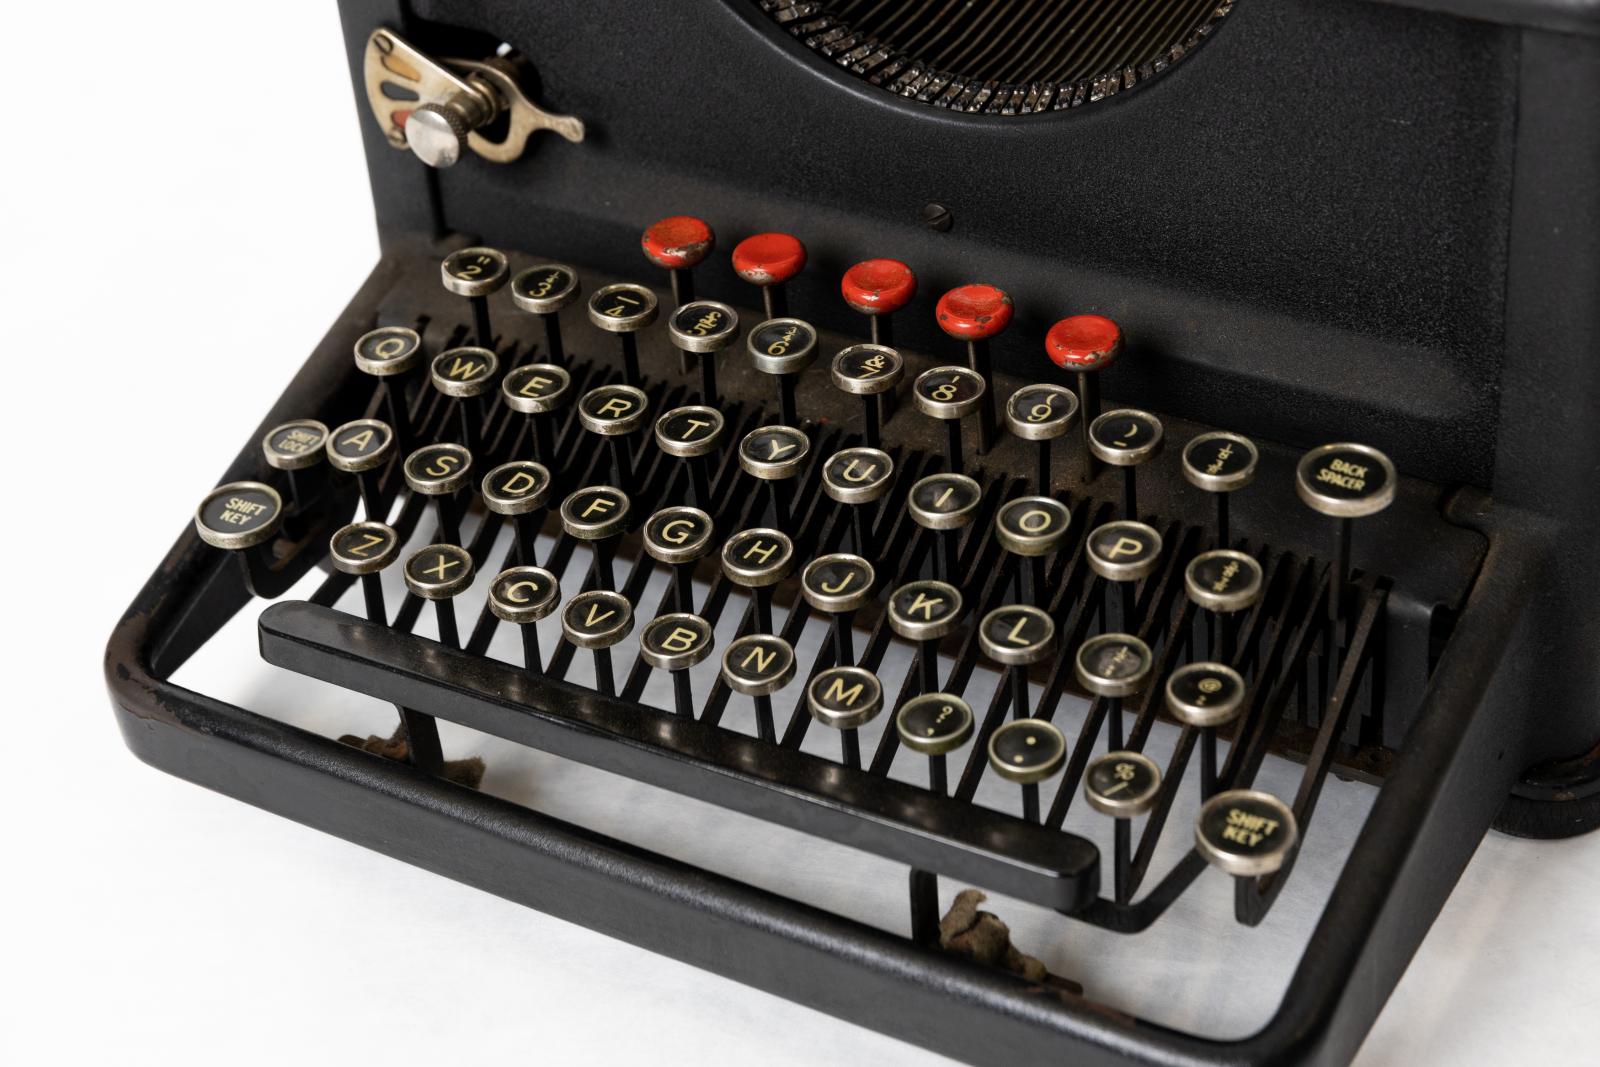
1345,222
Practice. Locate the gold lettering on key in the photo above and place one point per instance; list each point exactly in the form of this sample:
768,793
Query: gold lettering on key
361,439
872,365
762,656
593,619
515,594
840,585
760,549
940,500
681,639
465,368
1015,636
536,385
602,504
1034,521
694,427
616,406
519,483
372,541
1125,546
389,347
1345,475
926,604
677,531
776,447
442,465
441,566
870,472
839,694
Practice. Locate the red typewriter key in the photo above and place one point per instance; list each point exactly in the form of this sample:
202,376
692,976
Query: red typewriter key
769,260
1085,345
678,243
974,314
878,288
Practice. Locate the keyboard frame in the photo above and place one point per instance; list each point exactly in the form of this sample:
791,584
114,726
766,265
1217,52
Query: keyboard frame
1460,759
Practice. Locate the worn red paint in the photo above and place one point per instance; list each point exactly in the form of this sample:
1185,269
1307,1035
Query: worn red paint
878,286
769,258
678,241
1084,342
974,312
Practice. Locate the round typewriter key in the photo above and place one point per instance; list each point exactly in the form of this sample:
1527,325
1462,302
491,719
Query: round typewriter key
1126,438
838,585
596,620
439,573
388,351
1085,345
365,549
1032,527
239,515
384,353
757,560
545,290
362,445
845,698
759,665
475,273
295,445
522,596
1041,413
597,514
679,536
1206,695
1122,785
678,243
925,612
1124,553
1223,580
536,390
950,394
858,477
440,471
783,348
1220,463
1113,666
615,412
519,490
1348,482
624,309
1017,636
877,288
870,372
769,260
934,724
693,433
702,329
1246,833
975,314
945,503
362,448
1027,751
465,375
774,454
674,643
292,447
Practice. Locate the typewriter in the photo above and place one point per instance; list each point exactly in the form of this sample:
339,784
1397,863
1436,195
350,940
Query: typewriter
1023,458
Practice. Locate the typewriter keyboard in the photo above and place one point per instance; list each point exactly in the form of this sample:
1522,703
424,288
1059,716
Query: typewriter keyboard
840,586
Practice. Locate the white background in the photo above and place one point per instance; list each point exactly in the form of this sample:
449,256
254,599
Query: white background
185,211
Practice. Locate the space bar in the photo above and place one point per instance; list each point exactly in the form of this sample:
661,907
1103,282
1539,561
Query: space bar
892,819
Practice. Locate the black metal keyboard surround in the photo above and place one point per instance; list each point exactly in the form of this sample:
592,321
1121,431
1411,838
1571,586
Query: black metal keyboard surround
1394,714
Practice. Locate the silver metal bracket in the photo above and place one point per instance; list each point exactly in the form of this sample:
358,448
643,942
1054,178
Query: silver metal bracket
438,107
